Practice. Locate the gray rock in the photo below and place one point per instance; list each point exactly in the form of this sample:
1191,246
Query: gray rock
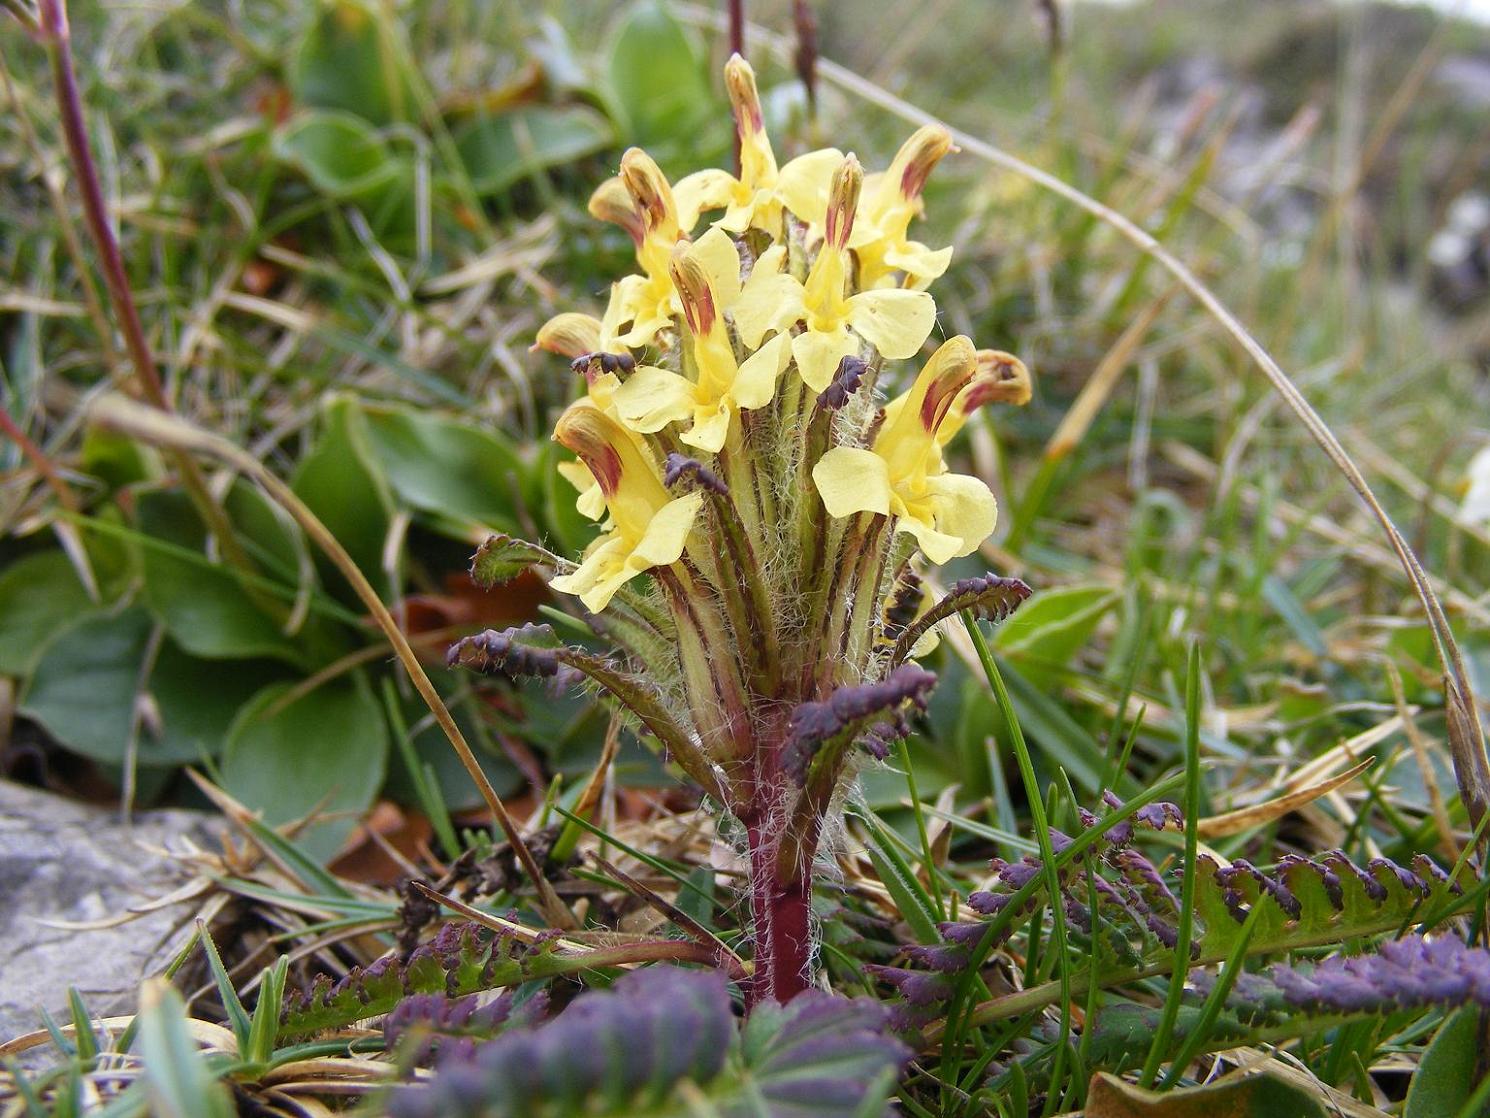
65,861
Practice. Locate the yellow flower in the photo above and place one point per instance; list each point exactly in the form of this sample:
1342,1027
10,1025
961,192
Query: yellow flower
903,475
756,198
889,202
573,334
641,201
649,527
707,278
895,322
1001,378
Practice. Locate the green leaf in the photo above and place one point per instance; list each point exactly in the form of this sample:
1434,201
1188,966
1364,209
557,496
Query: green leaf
39,595
1253,1096
348,61
657,77
327,747
339,482
1445,1079
1051,628
342,155
85,687
204,607
500,151
116,459
456,472
238,1019
910,897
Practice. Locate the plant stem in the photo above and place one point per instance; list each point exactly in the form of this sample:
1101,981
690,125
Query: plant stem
57,36
782,909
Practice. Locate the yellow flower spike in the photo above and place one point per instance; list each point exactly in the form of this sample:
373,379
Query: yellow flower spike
707,279
891,199
903,474
895,322
755,199
650,527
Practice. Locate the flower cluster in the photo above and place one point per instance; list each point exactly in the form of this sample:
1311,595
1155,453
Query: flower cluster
733,442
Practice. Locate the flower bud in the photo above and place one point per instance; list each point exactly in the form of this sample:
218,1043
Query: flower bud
649,189
569,335
843,200
916,159
757,160
694,292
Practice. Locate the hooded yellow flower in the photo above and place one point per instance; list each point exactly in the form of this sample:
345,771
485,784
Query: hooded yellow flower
756,198
903,474
890,200
641,201
707,278
649,527
896,322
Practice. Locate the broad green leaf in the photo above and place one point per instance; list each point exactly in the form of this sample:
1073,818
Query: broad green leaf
342,155
1447,1077
326,748
500,151
657,77
341,484
117,460
39,596
457,472
202,605
1051,628
348,61
1252,1096
86,685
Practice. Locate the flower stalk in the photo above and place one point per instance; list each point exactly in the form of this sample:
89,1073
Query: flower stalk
756,490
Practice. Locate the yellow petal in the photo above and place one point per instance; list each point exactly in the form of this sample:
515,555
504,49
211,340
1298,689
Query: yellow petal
591,502
667,535
818,355
710,189
755,383
915,259
651,398
895,322
770,300
710,426
964,508
603,572
938,547
716,251
803,184
850,479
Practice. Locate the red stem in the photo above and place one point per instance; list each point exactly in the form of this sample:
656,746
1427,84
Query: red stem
783,921
75,131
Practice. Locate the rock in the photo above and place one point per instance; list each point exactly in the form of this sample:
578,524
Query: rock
62,860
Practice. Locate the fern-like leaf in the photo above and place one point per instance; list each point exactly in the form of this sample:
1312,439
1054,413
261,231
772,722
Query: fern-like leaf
461,959
988,596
